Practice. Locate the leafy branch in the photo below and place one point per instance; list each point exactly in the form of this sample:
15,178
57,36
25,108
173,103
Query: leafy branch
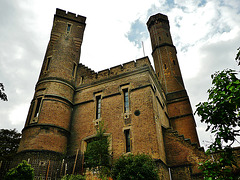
221,113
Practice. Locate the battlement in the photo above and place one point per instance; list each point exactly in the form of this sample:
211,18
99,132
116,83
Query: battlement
116,70
155,19
70,15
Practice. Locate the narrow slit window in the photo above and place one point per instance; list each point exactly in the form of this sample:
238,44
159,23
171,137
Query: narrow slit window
98,107
174,62
37,110
126,100
74,70
48,63
159,38
81,80
69,27
165,66
128,140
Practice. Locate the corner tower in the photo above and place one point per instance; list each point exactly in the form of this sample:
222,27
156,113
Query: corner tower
47,127
168,72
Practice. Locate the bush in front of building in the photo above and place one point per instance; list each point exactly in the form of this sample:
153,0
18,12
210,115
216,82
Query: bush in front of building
23,171
74,177
137,167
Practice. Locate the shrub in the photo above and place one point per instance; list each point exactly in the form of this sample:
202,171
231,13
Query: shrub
22,172
74,177
135,167
97,155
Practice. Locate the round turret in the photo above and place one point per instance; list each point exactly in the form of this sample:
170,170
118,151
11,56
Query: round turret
48,123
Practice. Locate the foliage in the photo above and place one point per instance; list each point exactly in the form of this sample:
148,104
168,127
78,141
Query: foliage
9,140
3,95
222,114
222,111
97,155
22,172
135,167
220,166
73,177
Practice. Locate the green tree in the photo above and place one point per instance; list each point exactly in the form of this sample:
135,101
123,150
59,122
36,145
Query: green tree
9,140
136,167
22,172
3,95
97,155
221,113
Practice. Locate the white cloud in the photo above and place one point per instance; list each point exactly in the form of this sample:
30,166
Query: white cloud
18,114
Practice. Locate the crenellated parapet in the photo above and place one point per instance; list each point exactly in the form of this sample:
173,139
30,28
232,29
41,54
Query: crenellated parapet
156,19
84,70
70,15
87,75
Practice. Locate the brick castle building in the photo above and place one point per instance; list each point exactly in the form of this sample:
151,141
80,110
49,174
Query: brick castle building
144,110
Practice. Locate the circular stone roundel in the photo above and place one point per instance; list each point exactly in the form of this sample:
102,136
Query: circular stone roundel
137,113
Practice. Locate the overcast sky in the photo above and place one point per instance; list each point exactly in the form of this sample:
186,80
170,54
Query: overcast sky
206,34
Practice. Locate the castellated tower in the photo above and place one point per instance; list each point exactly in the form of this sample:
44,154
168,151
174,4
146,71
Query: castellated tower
168,72
144,111
48,131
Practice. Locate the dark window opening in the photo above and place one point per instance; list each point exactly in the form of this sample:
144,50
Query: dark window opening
69,27
39,101
165,66
98,107
167,34
48,63
174,62
128,140
159,38
126,100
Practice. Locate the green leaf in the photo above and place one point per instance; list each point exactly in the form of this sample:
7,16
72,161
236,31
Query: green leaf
221,114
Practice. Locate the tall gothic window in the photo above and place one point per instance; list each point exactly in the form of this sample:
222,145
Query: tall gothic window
127,140
35,110
126,100
98,107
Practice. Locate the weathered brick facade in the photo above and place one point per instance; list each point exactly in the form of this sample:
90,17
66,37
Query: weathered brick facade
151,105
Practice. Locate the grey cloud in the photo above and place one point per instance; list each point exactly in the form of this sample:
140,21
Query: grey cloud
218,56
18,51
